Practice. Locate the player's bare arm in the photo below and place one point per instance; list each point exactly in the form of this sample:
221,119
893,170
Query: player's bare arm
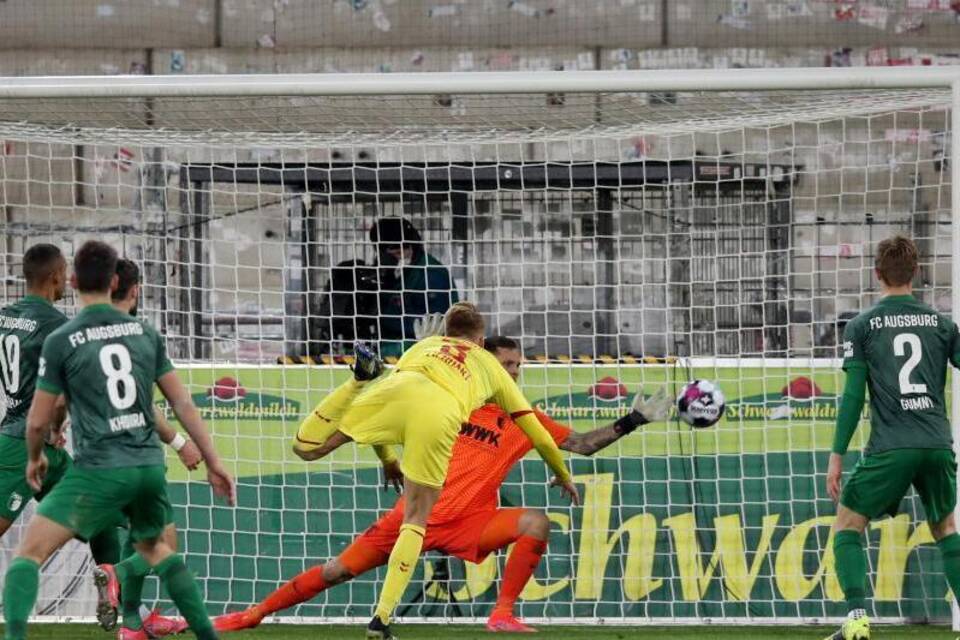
179,398
587,444
848,419
186,449
57,437
43,410
643,411
392,474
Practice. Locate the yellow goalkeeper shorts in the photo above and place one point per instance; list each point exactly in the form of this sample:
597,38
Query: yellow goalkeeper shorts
409,409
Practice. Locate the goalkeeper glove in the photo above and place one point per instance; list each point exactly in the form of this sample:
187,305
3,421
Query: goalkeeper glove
645,410
428,326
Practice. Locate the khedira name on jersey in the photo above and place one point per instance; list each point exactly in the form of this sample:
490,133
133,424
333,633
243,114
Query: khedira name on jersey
105,332
128,421
903,321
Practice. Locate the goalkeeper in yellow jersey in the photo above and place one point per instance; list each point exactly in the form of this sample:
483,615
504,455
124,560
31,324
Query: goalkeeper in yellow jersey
434,388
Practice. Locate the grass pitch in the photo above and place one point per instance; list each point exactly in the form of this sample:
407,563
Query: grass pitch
460,632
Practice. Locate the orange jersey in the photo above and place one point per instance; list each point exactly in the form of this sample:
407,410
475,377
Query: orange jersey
488,446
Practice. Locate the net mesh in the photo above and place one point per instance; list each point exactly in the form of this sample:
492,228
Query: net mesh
390,121
625,240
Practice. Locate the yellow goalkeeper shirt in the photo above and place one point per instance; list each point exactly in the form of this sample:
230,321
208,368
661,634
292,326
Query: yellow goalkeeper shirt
474,377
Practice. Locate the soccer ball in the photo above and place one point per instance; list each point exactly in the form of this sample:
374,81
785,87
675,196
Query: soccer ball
701,404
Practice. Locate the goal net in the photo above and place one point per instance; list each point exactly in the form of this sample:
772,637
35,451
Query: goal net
640,235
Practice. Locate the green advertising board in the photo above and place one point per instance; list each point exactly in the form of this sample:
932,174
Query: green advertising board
731,522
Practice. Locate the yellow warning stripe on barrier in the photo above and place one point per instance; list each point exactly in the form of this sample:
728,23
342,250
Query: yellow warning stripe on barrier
603,359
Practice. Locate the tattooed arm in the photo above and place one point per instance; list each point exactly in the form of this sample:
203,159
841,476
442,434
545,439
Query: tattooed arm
643,411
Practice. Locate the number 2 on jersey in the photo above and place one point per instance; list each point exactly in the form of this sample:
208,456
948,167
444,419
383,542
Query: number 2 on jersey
10,363
117,366
900,343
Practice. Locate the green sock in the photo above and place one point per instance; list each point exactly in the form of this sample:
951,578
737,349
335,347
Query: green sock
132,573
19,595
950,548
127,551
105,547
851,567
133,566
185,594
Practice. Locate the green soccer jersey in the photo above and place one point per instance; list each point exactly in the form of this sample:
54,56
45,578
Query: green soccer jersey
24,326
905,346
106,363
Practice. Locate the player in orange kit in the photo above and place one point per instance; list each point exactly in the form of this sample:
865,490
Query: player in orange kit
466,521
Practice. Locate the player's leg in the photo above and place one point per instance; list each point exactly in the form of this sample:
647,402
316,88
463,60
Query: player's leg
82,504
365,553
410,409
150,516
528,531
948,541
104,546
850,563
154,624
427,446
850,558
340,416
106,551
322,422
475,536
420,499
120,583
179,583
317,435
127,579
331,443
22,581
875,488
15,493
301,588
108,587
936,483
367,365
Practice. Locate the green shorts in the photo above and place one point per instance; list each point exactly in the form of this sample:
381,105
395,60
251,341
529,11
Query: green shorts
87,501
15,493
881,480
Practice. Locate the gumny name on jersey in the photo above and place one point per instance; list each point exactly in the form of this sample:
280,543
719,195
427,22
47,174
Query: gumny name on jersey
904,320
105,332
18,324
480,434
916,404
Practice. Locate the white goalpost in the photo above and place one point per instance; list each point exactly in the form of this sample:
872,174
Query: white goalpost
629,228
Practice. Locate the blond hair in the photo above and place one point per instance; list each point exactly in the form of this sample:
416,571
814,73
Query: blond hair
463,320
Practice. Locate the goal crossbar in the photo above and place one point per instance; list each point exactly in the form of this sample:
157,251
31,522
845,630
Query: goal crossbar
359,84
